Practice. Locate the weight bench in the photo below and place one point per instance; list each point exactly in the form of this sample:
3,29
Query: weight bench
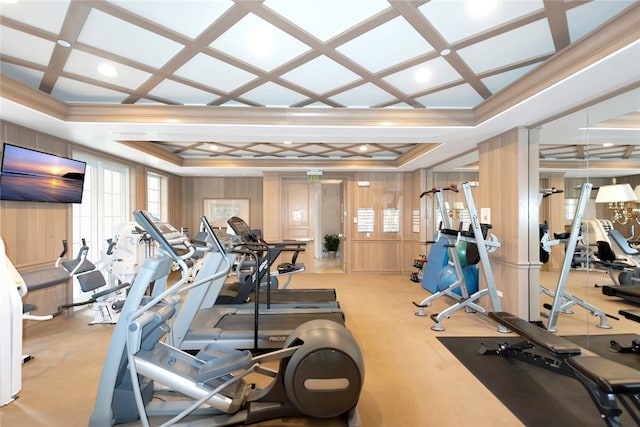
42,280
607,382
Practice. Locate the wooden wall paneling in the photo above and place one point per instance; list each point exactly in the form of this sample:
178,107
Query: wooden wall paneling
32,231
514,217
138,186
177,207
271,207
384,191
297,216
196,189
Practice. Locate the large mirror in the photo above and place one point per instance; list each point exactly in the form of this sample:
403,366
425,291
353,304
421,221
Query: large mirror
590,182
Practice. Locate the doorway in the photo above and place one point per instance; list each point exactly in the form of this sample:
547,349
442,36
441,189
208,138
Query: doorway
330,206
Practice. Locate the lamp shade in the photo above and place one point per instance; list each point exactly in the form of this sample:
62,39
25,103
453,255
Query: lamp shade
460,206
637,191
615,193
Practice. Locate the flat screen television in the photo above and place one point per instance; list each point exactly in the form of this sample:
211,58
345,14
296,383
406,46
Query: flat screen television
30,175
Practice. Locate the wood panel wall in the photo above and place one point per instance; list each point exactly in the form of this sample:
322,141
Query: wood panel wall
194,190
507,169
377,251
33,231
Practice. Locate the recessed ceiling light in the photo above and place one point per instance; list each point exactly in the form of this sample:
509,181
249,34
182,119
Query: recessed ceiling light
212,147
107,70
445,52
423,75
286,142
63,43
260,41
481,8
608,144
363,148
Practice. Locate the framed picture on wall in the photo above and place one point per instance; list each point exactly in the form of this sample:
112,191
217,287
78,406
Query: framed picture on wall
218,211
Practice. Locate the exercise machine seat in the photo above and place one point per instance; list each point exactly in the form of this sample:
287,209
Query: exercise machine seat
45,278
610,376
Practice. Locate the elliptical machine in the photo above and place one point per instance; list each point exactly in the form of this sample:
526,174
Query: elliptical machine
321,369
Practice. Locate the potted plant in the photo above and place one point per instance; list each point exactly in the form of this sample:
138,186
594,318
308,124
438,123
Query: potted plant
331,243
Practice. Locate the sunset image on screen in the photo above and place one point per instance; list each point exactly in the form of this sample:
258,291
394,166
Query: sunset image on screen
29,175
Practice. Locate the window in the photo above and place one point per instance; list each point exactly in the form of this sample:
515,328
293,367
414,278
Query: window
157,195
105,204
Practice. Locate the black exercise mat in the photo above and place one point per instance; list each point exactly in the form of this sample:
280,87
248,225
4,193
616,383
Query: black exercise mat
538,397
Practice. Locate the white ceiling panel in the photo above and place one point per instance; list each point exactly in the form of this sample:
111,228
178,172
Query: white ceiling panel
457,97
522,43
321,75
25,46
424,76
25,75
127,40
257,42
363,96
376,50
497,82
198,52
182,94
85,64
273,95
319,18
459,19
74,91
587,17
186,17
47,15
214,73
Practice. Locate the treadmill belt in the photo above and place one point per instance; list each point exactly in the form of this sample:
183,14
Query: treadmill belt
273,322
284,296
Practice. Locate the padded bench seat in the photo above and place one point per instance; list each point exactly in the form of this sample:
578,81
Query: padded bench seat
45,278
539,337
610,376
606,381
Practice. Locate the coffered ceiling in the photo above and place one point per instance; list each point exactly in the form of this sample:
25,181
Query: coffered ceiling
211,87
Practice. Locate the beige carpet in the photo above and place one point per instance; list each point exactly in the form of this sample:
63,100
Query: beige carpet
411,379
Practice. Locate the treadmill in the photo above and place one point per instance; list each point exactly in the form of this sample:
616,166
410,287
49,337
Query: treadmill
194,328
243,292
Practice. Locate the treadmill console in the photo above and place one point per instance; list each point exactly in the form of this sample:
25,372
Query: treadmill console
241,228
164,233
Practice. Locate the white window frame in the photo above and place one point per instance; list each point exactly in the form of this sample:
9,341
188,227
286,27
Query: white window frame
158,195
105,204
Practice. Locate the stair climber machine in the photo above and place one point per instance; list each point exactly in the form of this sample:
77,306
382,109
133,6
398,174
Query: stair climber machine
320,368
465,250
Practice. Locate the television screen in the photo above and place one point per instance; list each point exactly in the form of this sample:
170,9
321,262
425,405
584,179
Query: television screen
30,175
